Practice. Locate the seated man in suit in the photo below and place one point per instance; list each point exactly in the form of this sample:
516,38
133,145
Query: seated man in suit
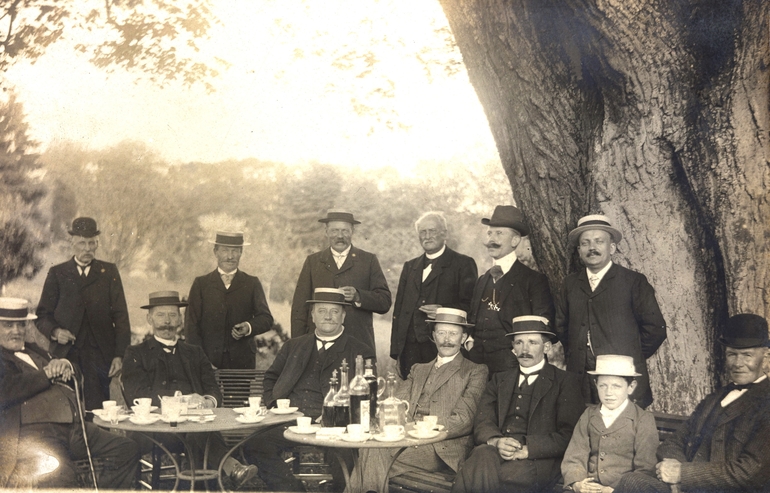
162,365
301,372
525,419
41,425
725,445
448,387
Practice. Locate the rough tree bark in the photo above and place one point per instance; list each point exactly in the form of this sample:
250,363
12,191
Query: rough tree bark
654,112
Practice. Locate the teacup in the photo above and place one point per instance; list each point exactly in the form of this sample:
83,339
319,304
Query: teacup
283,403
356,431
304,422
251,413
143,402
255,402
393,431
422,427
108,404
433,420
113,414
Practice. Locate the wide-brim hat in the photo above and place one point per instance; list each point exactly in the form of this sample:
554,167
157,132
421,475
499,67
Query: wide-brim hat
508,216
615,365
164,298
328,295
451,316
229,238
339,215
594,221
531,324
85,227
745,331
15,309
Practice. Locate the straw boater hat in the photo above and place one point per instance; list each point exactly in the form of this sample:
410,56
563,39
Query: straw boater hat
745,331
164,298
508,216
339,215
532,324
451,316
229,238
595,221
15,309
328,295
85,227
615,365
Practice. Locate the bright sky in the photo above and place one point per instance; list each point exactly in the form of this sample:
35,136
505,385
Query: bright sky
277,101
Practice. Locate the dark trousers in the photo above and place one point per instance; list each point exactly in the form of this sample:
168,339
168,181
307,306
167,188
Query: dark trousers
95,369
485,472
47,450
638,482
415,352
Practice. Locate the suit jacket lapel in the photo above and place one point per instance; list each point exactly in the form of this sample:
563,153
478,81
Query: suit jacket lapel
216,281
418,385
541,387
349,260
507,283
605,282
337,347
506,394
415,272
438,266
94,273
583,283
327,260
452,368
239,280
743,405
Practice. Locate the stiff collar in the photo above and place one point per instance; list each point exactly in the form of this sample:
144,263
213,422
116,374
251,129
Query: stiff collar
81,264
165,342
329,339
599,274
610,415
343,253
441,361
223,273
436,255
506,262
537,367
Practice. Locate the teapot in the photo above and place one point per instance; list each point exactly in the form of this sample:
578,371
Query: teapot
392,410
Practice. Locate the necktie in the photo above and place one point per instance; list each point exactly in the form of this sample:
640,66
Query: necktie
83,271
525,383
496,272
227,279
593,281
322,349
26,358
339,260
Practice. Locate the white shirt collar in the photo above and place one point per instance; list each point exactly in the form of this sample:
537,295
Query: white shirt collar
329,339
80,264
733,395
165,341
343,253
506,262
610,415
537,367
441,361
221,272
437,254
599,274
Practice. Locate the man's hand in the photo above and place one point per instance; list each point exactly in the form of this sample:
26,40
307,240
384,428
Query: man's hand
62,336
241,330
116,366
196,401
669,471
351,294
588,485
521,454
59,368
506,447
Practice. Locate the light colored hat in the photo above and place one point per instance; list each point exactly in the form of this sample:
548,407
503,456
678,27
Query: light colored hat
615,365
451,316
328,295
595,221
15,309
531,324
164,298
229,238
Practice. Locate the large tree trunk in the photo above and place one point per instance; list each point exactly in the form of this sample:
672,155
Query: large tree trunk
656,114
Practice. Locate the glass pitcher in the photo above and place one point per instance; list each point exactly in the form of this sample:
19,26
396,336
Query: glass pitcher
392,410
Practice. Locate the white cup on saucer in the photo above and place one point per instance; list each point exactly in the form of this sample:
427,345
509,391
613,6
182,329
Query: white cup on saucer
422,427
356,431
304,423
255,402
108,404
283,403
433,420
393,431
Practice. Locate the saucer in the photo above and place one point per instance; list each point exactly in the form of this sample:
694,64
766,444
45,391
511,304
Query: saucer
180,419
152,408
245,420
347,438
288,410
305,431
152,418
242,410
383,438
430,434
201,419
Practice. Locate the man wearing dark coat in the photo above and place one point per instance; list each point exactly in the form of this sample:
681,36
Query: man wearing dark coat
440,277
607,309
507,290
725,445
346,267
227,308
83,311
41,427
524,420
301,372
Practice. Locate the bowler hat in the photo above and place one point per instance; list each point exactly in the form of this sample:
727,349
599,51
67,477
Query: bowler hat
532,324
328,295
338,215
229,238
508,216
615,365
594,221
451,316
745,331
164,298
85,227
15,309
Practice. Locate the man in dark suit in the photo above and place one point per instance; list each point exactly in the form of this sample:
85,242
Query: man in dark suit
524,420
346,267
227,308
509,289
83,310
607,309
41,425
725,445
439,278
301,372
163,365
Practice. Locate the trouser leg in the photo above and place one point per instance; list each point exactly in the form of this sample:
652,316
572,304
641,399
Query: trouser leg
637,482
265,450
119,454
43,458
95,369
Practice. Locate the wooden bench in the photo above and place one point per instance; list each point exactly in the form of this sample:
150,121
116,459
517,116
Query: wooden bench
433,482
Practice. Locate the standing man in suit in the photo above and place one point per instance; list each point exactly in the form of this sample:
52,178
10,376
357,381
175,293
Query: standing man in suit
607,309
356,272
227,308
41,429
449,387
524,420
725,445
439,278
509,289
83,310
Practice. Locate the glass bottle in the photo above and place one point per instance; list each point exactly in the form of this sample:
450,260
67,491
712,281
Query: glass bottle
342,398
327,416
374,386
359,397
392,410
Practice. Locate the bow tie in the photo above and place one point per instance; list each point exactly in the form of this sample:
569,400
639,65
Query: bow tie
734,386
166,348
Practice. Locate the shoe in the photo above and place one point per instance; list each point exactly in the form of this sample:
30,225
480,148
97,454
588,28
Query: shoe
242,474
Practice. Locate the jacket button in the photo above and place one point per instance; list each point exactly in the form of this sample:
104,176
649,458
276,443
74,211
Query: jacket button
163,382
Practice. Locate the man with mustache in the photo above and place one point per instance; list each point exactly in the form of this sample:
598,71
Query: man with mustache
509,289
607,309
82,309
440,277
356,272
524,420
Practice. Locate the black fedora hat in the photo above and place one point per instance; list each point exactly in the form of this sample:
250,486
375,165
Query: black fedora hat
328,295
229,238
339,215
508,216
744,331
85,227
164,298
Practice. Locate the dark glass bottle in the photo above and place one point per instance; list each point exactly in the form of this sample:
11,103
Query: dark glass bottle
359,397
327,416
342,398
371,379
